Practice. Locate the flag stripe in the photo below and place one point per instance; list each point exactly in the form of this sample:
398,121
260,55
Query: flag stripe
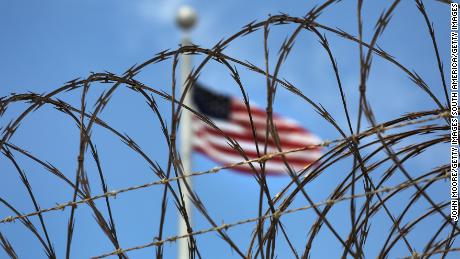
301,157
250,147
225,157
240,108
285,139
243,119
241,168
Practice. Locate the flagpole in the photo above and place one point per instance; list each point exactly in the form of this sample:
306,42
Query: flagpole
186,19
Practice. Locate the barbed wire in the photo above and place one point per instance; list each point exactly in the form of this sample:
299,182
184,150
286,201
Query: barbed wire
216,169
416,255
276,215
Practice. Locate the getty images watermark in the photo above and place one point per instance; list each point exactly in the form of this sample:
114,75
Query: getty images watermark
454,111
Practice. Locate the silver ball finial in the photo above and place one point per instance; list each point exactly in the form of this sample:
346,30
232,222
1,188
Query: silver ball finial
186,17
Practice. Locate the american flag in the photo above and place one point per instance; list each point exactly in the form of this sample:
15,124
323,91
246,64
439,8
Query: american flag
230,115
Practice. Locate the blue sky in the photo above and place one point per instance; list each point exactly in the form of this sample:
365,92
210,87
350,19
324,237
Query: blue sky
45,44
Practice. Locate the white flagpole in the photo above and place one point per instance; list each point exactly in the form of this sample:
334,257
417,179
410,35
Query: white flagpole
186,19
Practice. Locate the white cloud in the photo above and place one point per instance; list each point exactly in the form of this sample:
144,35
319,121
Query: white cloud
161,11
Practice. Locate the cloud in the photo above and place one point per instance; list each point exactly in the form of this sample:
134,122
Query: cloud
162,11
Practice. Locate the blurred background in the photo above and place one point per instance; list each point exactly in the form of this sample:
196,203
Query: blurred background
47,43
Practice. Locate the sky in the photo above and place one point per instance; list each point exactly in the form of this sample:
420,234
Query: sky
45,44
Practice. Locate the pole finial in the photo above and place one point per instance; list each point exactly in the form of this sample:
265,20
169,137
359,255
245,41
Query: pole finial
186,17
